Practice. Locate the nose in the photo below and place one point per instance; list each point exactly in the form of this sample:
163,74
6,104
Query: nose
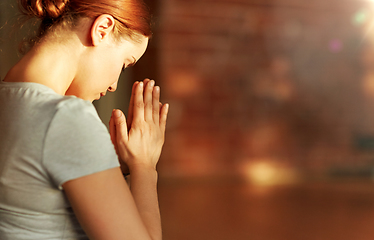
113,87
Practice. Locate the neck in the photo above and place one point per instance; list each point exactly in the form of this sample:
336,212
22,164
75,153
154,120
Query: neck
52,64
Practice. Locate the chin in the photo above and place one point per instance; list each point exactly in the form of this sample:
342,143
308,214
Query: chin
94,99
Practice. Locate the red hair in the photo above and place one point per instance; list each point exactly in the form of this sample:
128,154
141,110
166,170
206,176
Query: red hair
132,16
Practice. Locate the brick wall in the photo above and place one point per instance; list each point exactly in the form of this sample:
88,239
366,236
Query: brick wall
265,81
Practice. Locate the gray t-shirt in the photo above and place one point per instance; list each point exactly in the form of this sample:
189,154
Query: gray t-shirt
45,140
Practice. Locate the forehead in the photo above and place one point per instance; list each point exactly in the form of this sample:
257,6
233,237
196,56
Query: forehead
134,48
140,47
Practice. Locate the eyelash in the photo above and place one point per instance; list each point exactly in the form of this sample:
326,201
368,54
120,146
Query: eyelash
130,65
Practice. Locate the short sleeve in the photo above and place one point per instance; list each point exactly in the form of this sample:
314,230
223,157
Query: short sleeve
77,143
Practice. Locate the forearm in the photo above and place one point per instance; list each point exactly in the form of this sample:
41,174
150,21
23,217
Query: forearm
139,142
144,190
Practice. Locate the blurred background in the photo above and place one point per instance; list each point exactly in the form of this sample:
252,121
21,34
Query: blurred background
270,133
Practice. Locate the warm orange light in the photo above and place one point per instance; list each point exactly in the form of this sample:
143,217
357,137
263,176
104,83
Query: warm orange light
265,172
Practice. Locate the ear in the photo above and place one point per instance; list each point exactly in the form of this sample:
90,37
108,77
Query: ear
101,28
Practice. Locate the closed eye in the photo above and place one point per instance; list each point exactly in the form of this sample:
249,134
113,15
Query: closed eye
130,65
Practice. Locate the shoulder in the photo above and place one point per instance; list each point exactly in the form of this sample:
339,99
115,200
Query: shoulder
76,143
74,103
41,102
70,108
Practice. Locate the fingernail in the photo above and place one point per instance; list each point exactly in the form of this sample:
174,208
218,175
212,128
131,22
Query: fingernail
117,113
141,84
151,83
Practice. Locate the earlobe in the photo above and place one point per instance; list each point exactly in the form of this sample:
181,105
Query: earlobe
101,28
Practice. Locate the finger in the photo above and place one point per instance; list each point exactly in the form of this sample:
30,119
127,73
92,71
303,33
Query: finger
160,104
112,130
120,126
156,104
138,104
131,105
163,116
145,81
148,105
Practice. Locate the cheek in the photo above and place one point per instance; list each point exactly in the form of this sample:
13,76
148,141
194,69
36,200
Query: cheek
116,68
111,76
114,73
107,72
111,67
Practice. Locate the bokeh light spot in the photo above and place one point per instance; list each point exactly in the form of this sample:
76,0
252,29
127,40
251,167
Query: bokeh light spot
265,172
335,45
360,17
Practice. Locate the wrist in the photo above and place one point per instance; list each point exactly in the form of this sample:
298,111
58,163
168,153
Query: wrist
135,167
143,170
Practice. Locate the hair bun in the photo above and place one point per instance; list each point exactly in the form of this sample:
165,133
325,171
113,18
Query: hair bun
44,8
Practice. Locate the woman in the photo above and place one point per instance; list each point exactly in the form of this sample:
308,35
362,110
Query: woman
60,177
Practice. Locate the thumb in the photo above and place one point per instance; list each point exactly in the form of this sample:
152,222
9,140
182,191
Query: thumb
112,131
120,125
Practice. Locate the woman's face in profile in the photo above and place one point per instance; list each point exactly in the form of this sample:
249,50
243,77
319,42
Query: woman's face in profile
101,67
